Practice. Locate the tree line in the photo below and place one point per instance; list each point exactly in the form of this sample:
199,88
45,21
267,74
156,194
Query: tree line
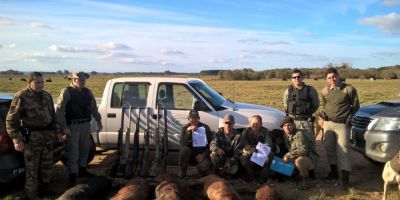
345,70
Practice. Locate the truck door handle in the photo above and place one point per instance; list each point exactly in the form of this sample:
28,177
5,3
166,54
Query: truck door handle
111,115
154,116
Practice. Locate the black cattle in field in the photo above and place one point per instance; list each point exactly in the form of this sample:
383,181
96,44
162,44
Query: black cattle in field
22,79
9,79
49,80
315,79
69,78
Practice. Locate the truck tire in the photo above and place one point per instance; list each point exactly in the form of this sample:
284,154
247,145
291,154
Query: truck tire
92,152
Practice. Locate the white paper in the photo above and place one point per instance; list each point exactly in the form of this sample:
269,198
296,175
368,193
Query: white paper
199,138
261,155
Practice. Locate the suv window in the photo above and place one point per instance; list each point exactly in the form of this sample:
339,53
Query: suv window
130,94
178,97
3,114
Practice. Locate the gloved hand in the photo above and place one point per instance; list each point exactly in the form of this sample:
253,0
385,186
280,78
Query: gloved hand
348,120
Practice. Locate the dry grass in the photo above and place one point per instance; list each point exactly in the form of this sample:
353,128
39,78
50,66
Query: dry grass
265,92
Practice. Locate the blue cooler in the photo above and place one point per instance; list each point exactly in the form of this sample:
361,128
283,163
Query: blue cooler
278,165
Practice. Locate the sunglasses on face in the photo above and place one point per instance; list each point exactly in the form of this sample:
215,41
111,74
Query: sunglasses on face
296,77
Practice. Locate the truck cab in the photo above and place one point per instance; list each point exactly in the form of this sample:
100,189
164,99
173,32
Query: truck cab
177,96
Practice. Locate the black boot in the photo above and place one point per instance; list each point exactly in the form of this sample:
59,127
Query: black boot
311,174
345,180
84,173
333,174
72,180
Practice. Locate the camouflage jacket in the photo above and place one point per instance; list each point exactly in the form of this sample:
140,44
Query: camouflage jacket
250,139
297,144
229,143
32,110
186,139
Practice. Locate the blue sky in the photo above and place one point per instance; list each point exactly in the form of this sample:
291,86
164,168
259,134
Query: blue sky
189,36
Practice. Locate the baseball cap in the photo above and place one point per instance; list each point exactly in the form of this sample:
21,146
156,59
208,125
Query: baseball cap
193,114
286,120
80,75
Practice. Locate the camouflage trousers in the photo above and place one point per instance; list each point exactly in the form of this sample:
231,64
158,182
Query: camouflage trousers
308,130
186,156
78,146
38,161
219,162
253,170
303,164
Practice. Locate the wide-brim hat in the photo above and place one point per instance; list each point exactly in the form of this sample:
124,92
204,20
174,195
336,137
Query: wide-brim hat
80,75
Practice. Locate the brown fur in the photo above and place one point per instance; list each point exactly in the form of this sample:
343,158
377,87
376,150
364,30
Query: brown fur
168,190
135,189
88,188
216,188
318,126
266,192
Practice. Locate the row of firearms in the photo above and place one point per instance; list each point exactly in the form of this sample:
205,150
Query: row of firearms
127,166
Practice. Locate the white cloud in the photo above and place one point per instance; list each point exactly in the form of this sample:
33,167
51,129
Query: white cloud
388,24
117,56
8,46
386,54
391,2
277,43
43,26
220,60
171,52
69,49
115,46
6,21
249,40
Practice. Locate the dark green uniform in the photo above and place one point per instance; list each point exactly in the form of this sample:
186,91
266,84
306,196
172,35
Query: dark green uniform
249,141
35,111
187,152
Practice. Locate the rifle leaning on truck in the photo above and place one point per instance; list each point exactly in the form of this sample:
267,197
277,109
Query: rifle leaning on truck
156,164
144,169
116,170
133,163
165,142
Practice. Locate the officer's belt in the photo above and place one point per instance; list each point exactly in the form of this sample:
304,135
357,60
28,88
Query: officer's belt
299,117
78,121
44,128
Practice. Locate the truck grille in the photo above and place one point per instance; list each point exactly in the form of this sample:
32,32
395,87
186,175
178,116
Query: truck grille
360,122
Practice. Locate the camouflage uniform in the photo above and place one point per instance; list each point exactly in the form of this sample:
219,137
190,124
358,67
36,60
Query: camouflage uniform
303,121
35,111
250,140
299,151
230,144
188,153
78,142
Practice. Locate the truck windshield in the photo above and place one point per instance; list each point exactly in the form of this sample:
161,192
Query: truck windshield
215,99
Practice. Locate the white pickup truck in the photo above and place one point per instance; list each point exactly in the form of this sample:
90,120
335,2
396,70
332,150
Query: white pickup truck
178,96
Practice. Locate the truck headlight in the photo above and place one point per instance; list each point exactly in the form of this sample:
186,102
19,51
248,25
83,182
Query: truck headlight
385,124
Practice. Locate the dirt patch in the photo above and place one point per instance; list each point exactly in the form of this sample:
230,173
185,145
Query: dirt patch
365,179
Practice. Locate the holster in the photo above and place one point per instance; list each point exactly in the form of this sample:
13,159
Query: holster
25,134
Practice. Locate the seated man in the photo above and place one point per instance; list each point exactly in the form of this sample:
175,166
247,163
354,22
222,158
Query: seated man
225,151
299,151
250,137
188,152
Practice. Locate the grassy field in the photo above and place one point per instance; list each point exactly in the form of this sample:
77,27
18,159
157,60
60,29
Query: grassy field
265,92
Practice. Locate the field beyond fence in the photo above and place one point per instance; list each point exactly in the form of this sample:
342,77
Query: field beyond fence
263,92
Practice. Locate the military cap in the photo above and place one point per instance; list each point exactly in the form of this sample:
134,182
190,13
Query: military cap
286,120
193,114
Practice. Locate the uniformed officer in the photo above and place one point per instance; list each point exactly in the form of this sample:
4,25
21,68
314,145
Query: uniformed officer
191,153
340,102
76,106
250,137
32,126
301,102
299,151
225,148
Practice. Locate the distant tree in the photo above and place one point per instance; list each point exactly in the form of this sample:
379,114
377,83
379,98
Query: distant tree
66,71
93,73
